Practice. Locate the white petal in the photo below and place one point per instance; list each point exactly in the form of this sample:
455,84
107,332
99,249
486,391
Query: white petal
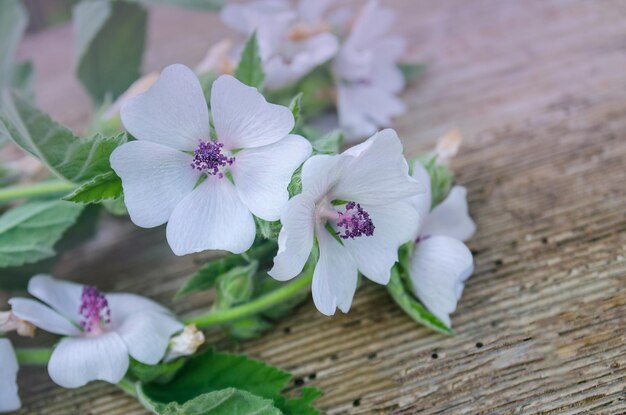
42,316
9,399
147,335
320,174
155,179
262,174
335,276
451,217
439,266
312,11
295,240
395,224
77,361
353,120
372,23
173,112
422,201
376,172
211,217
249,16
63,296
123,305
243,118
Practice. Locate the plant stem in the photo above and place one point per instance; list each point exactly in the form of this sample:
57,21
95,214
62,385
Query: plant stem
262,303
36,356
47,188
127,386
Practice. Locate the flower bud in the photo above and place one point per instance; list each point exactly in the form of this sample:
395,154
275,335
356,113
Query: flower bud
186,343
448,145
10,322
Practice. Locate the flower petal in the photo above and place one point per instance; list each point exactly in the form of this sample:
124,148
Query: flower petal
9,399
439,266
147,335
211,217
295,240
79,360
422,201
63,296
249,16
243,118
395,224
155,179
173,112
262,174
451,217
320,174
335,276
376,172
312,11
42,316
123,305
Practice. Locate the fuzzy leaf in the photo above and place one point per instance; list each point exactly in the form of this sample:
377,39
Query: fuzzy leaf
411,71
73,158
23,79
159,373
268,230
29,232
104,186
250,69
329,143
13,20
302,405
296,109
236,285
108,47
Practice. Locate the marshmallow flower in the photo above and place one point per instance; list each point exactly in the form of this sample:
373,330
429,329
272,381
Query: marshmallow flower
9,399
357,206
441,262
102,330
206,189
292,41
367,76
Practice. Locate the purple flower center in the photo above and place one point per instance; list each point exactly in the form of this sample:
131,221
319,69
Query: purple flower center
94,308
208,158
355,222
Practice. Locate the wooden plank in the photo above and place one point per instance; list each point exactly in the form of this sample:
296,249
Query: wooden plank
538,88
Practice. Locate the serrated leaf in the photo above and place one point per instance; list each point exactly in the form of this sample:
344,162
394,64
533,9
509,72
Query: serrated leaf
413,308
250,68
13,20
108,47
105,186
302,405
411,71
229,401
73,158
29,232
159,373
329,143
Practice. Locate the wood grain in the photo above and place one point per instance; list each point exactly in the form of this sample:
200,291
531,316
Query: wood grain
538,89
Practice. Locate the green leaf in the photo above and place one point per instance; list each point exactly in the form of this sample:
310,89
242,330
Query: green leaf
303,404
413,308
13,20
159,373
329,143
236,285
23,79
109,44
411,71
250,69
268,230
441,178
208,5
29,232
296,109
212,371
249,328
73,158
229,401
102,187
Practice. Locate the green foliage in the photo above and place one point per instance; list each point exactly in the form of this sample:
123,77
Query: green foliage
296,109
13,20
235,286
104,186
212,372
29,232
23,79
109,43
208,5
250,68
73,158
329,143
441,178
294,187
412,71
159,373
268,230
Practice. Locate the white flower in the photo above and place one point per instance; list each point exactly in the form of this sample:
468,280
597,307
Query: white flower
367,76
103,330
292,41
9,399
362,195
186,343
441,262
176,173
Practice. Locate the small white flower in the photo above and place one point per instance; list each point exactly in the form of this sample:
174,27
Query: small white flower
186,343
362,195
292,41
441,262
103,330
368,79
10,322
9,399
176,173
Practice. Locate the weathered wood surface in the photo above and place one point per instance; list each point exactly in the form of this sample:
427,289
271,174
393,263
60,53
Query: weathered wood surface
539,90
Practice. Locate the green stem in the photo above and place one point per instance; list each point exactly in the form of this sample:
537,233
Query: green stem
36,356
128,386
262,303
47,188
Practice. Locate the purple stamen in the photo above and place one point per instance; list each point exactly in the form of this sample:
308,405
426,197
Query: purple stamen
208,158
95,310
356,222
